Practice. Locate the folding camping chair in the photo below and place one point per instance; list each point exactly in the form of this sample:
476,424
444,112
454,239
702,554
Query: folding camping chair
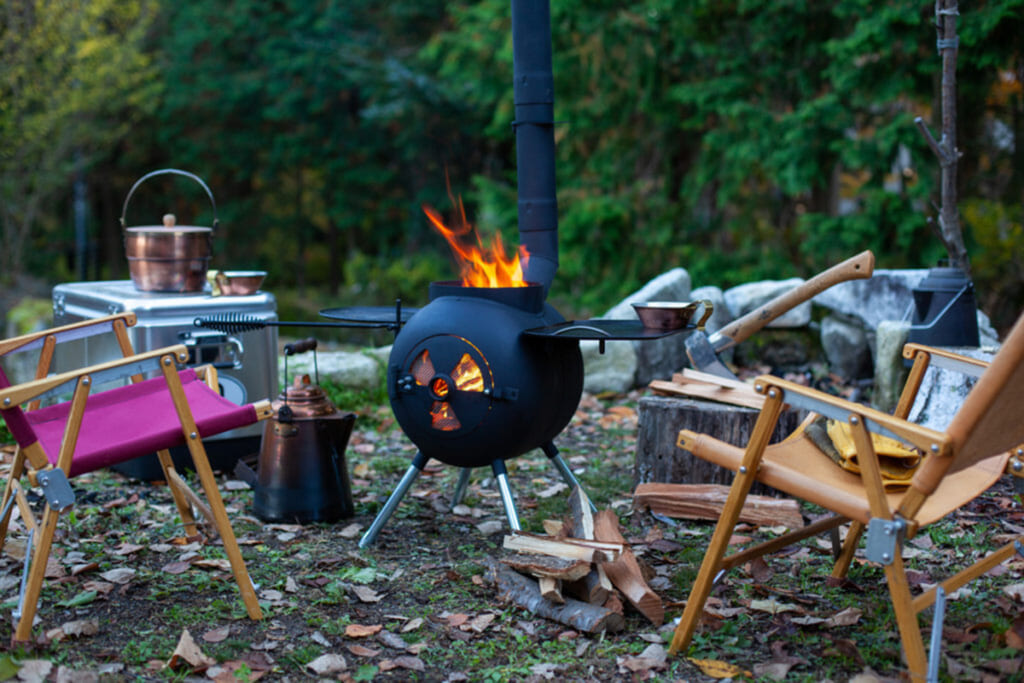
98,428
982,441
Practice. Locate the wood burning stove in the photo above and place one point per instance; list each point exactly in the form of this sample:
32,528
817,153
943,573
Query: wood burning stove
471,390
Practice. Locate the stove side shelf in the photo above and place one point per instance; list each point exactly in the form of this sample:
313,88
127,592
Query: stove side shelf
603,330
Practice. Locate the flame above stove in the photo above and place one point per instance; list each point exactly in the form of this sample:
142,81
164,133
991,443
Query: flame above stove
479,265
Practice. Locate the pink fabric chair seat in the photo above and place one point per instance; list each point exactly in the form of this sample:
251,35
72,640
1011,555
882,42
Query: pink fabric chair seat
134,420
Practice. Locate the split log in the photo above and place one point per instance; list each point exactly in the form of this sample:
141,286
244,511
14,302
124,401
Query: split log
551,589
581,616
625,572
711,387
595,586
658,459
569,548
546,566
706,501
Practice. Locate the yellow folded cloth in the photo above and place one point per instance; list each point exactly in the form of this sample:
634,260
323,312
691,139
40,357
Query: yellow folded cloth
896,462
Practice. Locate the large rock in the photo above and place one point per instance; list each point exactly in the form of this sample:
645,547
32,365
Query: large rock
846,347
743,299
352,370
942,392
611,371
884,296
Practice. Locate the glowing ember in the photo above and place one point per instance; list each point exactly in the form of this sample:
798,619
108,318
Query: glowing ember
480,265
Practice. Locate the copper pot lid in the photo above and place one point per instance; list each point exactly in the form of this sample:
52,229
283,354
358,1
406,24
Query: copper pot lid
305,400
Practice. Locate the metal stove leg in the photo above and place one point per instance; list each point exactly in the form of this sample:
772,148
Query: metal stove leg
418,463
501,475
460,487
568,477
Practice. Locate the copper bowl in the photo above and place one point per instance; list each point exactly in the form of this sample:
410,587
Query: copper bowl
672,315
239,282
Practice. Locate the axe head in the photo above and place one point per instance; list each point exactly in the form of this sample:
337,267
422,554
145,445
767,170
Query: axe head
703,357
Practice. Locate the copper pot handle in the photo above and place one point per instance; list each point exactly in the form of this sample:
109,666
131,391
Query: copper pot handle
164,171
709,308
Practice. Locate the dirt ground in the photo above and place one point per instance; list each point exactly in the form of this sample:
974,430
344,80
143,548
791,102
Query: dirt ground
126,595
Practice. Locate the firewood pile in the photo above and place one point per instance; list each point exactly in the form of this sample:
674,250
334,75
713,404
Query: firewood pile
579,573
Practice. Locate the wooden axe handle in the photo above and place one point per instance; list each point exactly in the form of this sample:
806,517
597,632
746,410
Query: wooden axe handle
855,268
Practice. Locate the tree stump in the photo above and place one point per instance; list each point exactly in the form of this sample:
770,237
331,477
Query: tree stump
658,459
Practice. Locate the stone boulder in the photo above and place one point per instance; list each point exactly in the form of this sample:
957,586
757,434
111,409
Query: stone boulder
743,299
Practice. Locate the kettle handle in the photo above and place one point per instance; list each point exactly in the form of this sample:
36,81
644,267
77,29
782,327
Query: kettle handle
308,344
164,171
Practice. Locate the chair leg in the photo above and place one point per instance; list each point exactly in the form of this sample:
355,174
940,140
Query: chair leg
712,563
184,509
227,534
17,469
906,619
30,598
842,565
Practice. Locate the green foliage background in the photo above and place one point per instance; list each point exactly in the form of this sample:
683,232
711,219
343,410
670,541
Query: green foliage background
740,139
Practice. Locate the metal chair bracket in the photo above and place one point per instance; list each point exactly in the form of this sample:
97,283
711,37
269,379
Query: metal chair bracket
884,539
56,488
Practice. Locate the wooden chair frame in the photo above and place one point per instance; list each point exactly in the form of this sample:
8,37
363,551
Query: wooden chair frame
32,463
960,464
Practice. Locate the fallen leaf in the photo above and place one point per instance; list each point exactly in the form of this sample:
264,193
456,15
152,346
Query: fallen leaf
81,627
719,669
479,623
351,531
774,670
35,670
187,654
327,664
121,575
367,594
83,598
221,564
126,549
773,606
653,658
846,617
457,619
82,568
362,631
217,635
363,651
176,567
403,662
412,625
290,586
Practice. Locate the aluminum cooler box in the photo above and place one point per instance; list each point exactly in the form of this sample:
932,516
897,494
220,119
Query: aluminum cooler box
246,362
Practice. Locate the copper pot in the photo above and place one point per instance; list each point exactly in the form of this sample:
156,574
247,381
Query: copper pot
302,474
168,257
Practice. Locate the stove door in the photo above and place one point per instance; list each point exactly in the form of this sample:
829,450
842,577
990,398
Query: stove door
444,387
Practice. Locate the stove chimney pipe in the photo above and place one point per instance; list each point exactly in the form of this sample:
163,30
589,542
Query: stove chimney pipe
535,138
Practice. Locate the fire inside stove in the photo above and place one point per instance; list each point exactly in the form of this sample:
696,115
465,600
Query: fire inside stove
465,376
480,265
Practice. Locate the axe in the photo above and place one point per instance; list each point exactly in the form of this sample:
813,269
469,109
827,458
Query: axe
702,350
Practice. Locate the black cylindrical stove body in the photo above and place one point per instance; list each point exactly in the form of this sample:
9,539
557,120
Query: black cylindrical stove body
468,388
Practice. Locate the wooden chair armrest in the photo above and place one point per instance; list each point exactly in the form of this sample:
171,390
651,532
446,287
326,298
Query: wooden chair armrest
837,408
945,359
79,330
101,372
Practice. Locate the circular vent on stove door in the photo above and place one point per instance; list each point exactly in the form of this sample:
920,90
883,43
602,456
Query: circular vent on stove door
447,385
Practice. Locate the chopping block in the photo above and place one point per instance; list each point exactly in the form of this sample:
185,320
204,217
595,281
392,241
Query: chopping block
658,459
